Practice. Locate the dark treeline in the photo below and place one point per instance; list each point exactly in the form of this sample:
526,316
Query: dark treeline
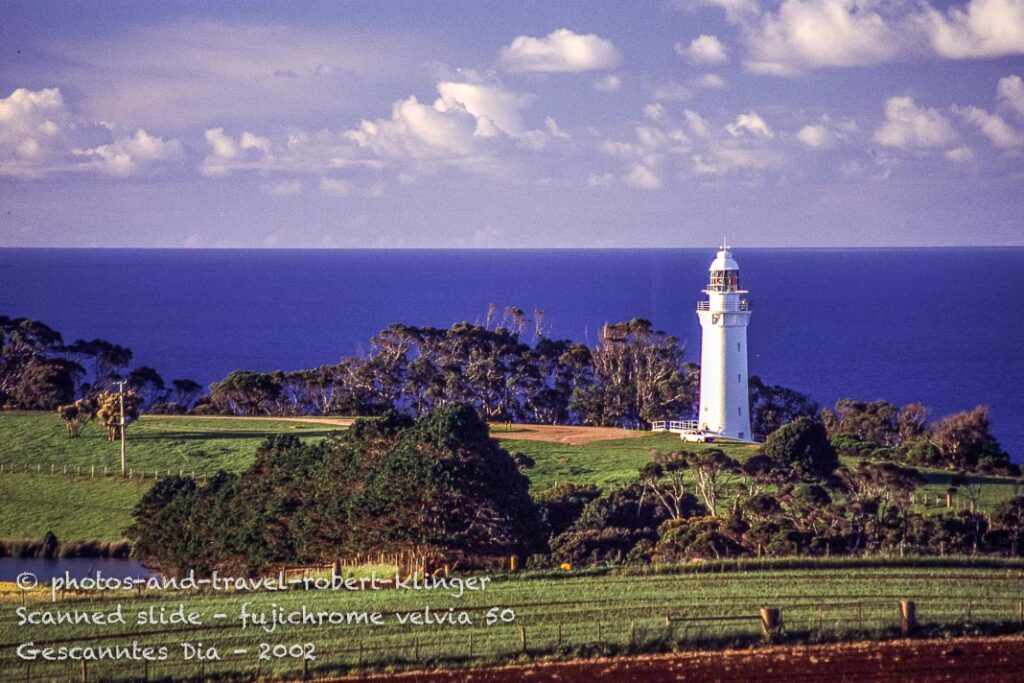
439,489
631,377
634,375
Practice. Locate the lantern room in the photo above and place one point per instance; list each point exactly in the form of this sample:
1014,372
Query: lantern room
725,273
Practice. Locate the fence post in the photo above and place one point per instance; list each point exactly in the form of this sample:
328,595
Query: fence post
558,641
1020,611
522,639
471,645
970,610
632,633
771,623
908,616
85,673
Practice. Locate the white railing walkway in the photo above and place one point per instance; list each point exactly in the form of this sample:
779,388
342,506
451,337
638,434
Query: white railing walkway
676,426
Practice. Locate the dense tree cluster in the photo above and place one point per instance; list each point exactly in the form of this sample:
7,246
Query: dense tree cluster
437,487
633,376
792,499
880,430
39,371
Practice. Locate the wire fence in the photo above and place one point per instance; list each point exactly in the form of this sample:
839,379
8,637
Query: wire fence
333,652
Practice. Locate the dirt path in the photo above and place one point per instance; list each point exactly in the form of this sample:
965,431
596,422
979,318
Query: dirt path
337,421
978,660
568,434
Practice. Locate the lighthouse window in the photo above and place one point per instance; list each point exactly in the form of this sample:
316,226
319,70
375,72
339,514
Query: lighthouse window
737,346
739,378
739,411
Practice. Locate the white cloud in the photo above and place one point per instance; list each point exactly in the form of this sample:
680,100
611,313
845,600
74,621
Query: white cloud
908,126
455,126
984,28
642,177
122,157
227,154
419,131
992,126
828,133
1011,92
725,159
559,51
817,136
551,126
40,136
960,154
709,81
600,180
655,112
696,123
809,34
609,83
704,49
749,123
493,107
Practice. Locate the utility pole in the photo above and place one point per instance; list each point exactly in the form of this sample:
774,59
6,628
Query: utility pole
124,458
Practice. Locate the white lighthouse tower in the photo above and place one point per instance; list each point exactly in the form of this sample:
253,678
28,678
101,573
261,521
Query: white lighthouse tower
724,399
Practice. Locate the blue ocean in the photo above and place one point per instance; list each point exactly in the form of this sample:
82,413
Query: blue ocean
940,326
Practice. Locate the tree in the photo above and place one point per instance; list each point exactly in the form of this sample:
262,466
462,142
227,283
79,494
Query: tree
639,376
186,391
44,383
664,480
23,342
773,406
108,411
108,360
146,382
245,392
802,445
965,442
709,467
874,421
76,415
912,422
438,488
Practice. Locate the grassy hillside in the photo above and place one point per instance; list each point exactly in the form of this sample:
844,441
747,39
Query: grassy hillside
605,463
590,614
154,442
79,508
74,509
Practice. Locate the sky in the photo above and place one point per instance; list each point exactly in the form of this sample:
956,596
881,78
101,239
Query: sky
793,123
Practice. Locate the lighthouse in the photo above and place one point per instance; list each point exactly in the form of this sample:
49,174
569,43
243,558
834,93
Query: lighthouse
724,316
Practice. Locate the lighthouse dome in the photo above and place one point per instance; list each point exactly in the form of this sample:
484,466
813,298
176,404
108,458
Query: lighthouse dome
724,261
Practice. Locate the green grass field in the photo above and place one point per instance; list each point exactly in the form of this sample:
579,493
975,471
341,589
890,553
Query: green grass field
605,463
74,509
204,445
78,507
614,613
